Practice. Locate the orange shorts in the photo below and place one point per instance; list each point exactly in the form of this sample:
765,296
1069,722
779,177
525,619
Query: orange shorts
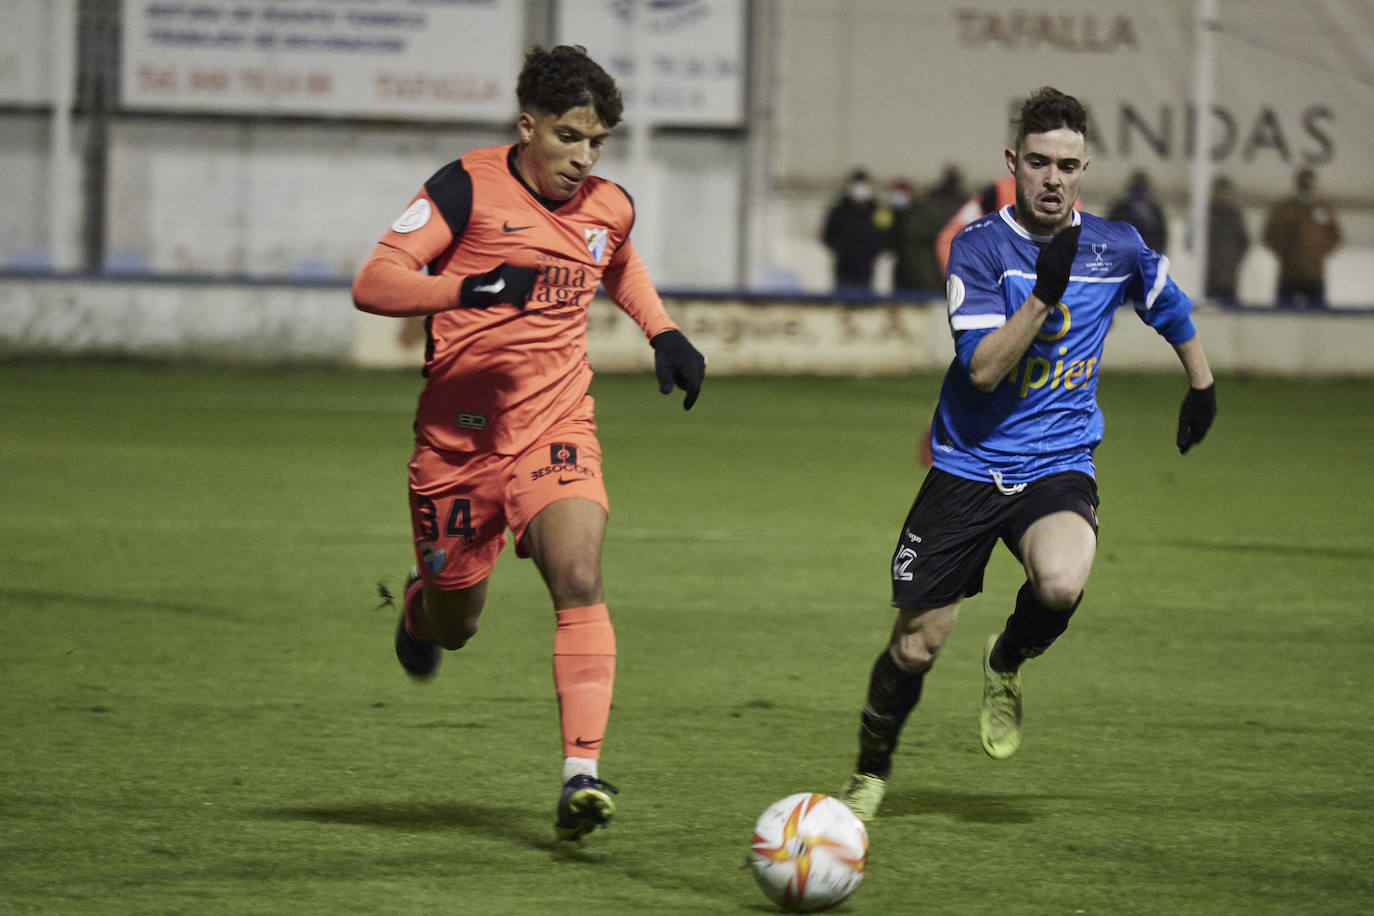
461,503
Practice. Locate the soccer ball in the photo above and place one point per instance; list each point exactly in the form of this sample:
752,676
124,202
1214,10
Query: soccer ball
808,852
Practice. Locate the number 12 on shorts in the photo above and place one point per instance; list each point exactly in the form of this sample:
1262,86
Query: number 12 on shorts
457,524
901,562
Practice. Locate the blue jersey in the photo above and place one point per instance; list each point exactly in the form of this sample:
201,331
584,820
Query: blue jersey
1043,417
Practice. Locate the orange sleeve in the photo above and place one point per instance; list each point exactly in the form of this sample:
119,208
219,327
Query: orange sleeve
390,282
627,281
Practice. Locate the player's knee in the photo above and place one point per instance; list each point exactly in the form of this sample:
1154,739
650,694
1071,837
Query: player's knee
450,618
914,653
577,585
454,634
1059,593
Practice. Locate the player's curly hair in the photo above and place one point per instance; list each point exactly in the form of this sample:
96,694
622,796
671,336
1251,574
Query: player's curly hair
1049,109
554,80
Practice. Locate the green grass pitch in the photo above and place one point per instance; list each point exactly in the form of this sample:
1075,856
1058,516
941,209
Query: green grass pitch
201,712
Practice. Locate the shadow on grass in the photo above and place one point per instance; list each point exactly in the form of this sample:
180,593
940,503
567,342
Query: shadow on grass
972,809
1252,546
510,823
37,598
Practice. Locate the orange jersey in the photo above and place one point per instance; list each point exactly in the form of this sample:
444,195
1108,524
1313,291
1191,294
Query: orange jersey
496,378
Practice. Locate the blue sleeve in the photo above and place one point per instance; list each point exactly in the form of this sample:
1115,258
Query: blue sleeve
1156,297
974,294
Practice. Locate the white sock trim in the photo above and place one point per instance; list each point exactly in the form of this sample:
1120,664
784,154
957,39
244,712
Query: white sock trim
578,766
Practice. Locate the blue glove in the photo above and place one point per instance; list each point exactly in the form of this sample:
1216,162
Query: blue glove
677,362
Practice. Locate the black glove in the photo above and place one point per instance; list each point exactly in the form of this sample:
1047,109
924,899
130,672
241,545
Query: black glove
1195,416
509,284
677,361
1053,265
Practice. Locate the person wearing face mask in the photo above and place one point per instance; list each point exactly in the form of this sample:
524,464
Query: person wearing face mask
1302,231
855,239
912,222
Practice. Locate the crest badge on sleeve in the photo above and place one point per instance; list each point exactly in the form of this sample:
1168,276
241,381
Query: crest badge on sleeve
596,241
416,215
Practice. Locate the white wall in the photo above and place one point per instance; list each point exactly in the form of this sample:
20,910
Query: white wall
267,198
24,217
900,87
904,88
267,323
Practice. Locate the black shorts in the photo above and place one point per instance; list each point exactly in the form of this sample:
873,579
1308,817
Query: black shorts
955,522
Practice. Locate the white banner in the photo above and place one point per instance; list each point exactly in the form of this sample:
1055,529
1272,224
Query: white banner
692,54
937,82
422,59
25,42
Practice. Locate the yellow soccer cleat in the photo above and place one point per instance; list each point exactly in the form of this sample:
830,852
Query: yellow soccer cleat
863,794
999,718
584,805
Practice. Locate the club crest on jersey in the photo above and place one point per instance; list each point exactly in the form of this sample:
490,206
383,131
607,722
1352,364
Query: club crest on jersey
434,558
1099,264
595,237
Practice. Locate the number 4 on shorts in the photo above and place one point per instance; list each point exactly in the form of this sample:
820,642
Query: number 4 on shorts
459,522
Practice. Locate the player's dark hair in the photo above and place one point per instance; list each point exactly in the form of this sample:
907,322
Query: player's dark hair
554,80
1049,109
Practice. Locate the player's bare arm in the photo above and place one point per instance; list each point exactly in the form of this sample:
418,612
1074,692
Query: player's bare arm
1194,360
998,352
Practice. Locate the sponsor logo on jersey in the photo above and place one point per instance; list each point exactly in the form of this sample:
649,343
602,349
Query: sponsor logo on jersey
472,421
564,283
1036,372
1058,314
416,215
563,462
595,237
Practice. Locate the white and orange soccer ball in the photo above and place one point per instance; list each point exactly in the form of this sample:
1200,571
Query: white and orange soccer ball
808,852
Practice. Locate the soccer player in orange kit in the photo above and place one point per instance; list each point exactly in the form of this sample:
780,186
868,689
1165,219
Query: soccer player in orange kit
516,240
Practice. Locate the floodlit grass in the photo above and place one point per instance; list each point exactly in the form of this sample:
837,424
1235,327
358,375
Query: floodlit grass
201,712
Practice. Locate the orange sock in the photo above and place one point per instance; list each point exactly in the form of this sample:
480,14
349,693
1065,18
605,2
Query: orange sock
583,674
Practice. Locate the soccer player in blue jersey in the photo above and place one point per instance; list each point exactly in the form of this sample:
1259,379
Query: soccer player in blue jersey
1032,289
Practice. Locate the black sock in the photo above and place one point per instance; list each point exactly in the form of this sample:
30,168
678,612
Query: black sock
892,694
1031,629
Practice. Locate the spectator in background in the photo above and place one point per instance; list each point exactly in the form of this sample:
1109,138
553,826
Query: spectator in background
1227,242
852,234
1139,208
911,222
1302,231
948,193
